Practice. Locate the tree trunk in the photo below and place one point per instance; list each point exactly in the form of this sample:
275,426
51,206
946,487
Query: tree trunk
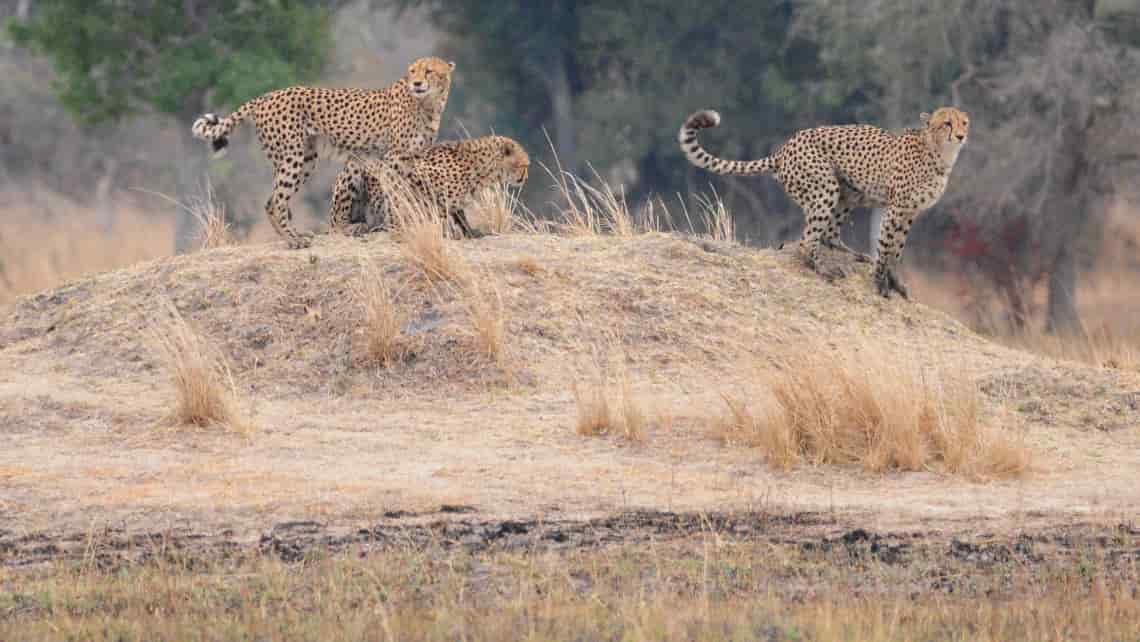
105,212
192,161
1062,317
562,112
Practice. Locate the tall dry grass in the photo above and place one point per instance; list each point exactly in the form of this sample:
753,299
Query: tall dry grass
419,226
207,212
1109,336
205,392
604,398
384,340
47,239
499,211
871,407
483,302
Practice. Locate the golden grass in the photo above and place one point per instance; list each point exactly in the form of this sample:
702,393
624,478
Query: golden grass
586,209
713,587
204,388
1109,336
384,341
605,401
718,223
487,315
47,240
204,208
1101,347
871,408
500,212
420,233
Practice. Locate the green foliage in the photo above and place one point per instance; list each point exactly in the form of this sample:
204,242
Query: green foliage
114,58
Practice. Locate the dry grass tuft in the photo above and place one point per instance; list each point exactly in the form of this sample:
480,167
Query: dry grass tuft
484,304
501,212
419,227
383,320
213,229
606,402
588,210
713,220
205,391
866,408
717,221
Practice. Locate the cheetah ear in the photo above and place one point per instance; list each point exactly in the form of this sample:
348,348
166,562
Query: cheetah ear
924,117
451,65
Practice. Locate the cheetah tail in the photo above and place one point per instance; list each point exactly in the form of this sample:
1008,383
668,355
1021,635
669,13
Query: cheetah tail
216,130
697,155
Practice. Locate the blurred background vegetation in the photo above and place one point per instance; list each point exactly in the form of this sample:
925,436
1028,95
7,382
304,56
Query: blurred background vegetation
1037,230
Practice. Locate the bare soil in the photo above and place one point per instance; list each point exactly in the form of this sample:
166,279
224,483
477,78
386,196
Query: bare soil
461,448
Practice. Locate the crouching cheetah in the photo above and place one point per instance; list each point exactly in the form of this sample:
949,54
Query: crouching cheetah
829,171
448,174
402,117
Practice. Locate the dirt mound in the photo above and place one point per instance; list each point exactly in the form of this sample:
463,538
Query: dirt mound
290,324
340,438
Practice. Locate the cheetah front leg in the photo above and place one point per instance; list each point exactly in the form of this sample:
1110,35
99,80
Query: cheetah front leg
460,218
892,239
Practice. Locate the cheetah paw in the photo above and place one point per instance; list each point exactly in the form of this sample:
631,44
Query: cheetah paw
300,241
888,282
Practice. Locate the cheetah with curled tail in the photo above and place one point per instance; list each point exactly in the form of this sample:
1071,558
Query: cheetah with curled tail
829,171
450,174
402,117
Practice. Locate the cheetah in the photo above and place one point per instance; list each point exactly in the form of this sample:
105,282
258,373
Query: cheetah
402,117
449,173
829,171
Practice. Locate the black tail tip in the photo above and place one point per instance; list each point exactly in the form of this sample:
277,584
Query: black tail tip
703,119
219,144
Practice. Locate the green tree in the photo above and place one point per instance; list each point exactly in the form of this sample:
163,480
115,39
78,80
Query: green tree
116,58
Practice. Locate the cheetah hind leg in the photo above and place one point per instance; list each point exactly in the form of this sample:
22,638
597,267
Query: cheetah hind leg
848,200
813,238
285,184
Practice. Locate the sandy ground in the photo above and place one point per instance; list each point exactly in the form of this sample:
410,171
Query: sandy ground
344,443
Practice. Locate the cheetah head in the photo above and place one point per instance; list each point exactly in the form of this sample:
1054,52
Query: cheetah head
514,160
429,76
947,127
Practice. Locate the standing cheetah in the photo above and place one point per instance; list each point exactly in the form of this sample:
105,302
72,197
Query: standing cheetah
402,117
829,171
449,173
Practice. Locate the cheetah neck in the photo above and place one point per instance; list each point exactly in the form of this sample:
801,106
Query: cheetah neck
434,106
945,155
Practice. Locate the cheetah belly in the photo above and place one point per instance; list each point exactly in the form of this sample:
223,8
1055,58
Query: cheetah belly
924,194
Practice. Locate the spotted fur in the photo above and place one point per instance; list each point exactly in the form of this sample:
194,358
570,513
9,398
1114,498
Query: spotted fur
402,117
829,171
450,174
